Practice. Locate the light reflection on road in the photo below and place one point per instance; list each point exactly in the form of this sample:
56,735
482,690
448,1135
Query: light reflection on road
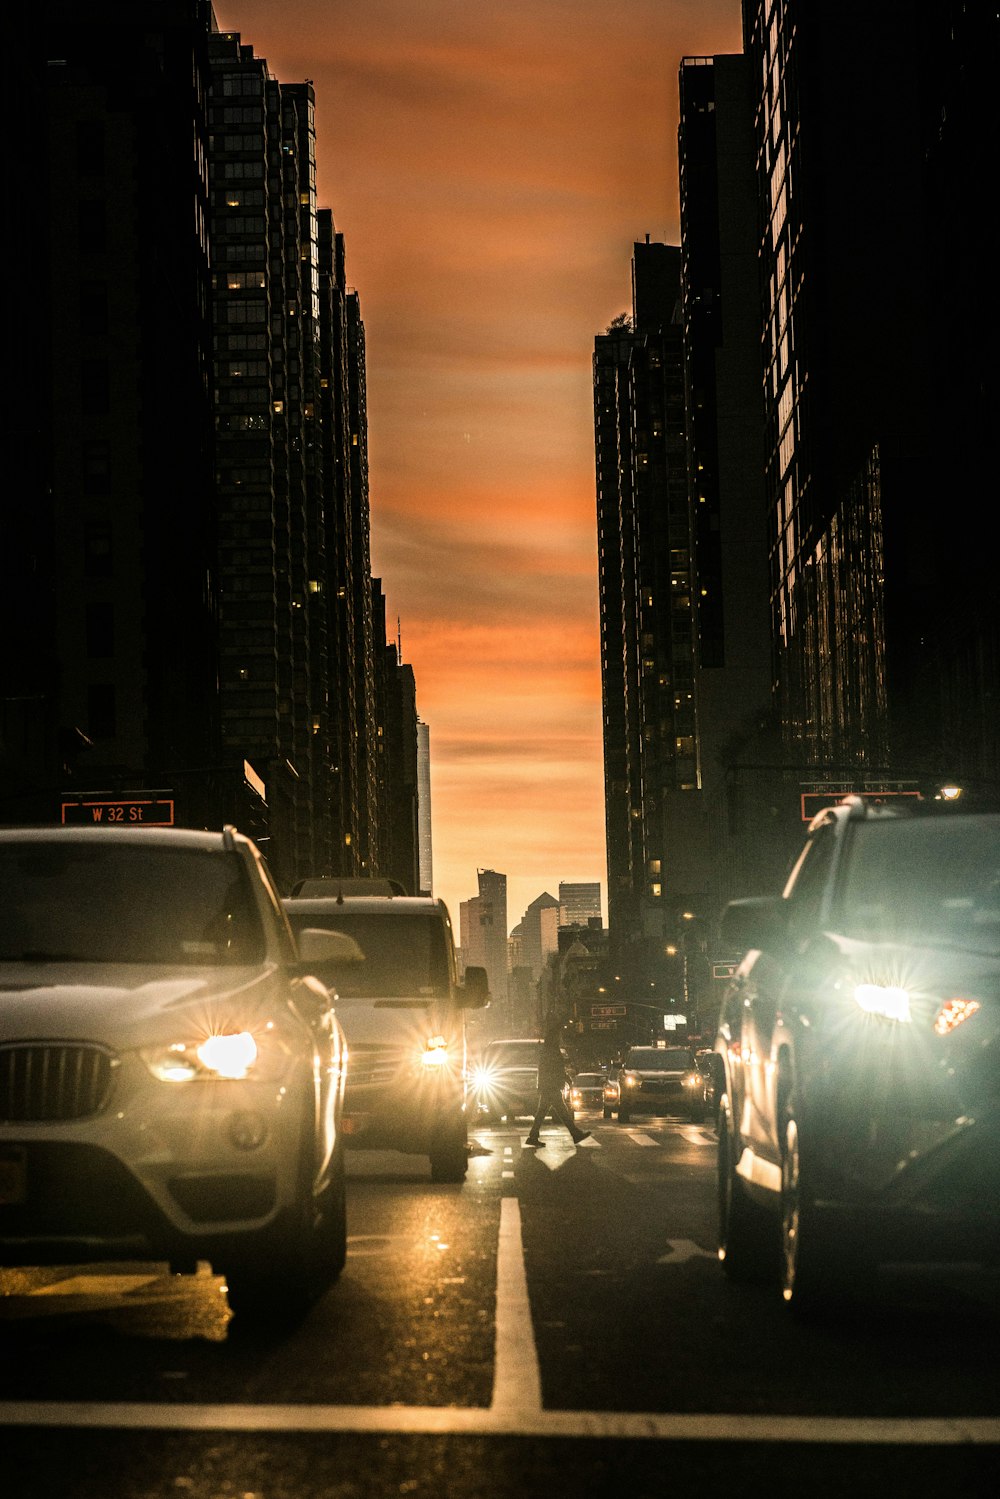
141,1300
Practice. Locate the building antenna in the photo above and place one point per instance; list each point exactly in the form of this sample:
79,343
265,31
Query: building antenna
399,642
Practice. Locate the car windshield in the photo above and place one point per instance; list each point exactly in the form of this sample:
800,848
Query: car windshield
589,1080
931,880
405,954
512,1054
651,1059
91,902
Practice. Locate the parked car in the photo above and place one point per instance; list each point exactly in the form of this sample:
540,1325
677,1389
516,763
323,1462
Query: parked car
659,1080
404,1010
587,1091
859,1040
171,1069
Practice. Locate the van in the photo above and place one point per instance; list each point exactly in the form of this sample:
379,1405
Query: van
403,1011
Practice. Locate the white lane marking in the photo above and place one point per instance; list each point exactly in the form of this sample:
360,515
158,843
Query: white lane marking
517,1381
696,1136
505,1174
508,1421
681,1250
638,1138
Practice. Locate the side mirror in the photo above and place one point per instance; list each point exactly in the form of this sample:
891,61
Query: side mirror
475,989
323,953
758,923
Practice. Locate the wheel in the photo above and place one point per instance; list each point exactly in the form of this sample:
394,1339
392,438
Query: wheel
449,1153
748,1238
623,1116
821,1269
697,1116
607,1113
289,1267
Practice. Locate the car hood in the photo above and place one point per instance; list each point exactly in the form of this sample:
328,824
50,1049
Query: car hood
124,1005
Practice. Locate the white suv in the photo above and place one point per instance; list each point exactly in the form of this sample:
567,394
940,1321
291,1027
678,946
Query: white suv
171,1072
403,1009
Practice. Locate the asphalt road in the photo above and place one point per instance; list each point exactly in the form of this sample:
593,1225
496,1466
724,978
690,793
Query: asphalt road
559,1324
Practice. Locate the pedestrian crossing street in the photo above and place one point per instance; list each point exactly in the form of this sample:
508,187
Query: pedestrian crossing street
558,1148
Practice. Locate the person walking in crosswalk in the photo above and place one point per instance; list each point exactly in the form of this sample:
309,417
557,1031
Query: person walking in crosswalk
553,1075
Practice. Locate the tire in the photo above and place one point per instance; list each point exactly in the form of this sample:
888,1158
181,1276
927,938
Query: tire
697,1116
449,1153
748,1234
607,1113
821,1269
292,1265
624,1116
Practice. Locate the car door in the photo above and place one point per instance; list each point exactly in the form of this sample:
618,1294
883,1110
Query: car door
770,981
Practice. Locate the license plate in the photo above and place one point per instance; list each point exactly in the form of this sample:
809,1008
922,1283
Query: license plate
13,1174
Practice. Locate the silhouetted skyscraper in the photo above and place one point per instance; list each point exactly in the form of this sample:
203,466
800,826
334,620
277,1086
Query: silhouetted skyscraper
725,463
879,389
646,583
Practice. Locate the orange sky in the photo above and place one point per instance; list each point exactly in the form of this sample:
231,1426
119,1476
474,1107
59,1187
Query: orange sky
490,163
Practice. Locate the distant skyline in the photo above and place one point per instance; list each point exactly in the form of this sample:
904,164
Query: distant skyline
490,167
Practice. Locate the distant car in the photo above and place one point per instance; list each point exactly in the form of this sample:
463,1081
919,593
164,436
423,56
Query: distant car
659,1080
859,1038
171,1070
404,1010
506,1079
587,1091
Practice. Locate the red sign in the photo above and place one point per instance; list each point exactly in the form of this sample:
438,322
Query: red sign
131,812
815,801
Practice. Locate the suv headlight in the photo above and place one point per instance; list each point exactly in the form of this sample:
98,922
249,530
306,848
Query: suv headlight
230,1056
886,1001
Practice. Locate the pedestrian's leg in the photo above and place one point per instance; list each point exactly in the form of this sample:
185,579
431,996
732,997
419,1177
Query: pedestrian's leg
563,1116
539,1120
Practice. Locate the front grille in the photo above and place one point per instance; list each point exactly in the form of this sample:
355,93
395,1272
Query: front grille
371,1064
45,1082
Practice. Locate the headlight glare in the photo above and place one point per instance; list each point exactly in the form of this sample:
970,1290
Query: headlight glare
435,1053
883,1000
230,1057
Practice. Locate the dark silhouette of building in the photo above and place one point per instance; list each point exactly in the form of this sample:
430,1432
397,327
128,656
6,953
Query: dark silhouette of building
874,141
191,620
647,615
109,641
725,453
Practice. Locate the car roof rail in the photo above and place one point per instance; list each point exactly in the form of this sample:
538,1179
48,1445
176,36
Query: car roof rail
228,837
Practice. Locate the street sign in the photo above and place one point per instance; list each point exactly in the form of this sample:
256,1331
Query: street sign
724,970
606,1011
120,812
814,800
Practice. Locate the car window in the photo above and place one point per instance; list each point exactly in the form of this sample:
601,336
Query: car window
933,879
112,903
589,1080
406,956
810,882
512,1053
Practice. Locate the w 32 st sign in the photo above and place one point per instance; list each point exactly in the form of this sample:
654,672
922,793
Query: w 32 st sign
130,812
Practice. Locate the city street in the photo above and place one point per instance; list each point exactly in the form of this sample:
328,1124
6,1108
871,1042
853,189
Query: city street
559,1323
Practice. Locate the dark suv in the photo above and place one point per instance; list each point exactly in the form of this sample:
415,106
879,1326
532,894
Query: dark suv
860,1043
